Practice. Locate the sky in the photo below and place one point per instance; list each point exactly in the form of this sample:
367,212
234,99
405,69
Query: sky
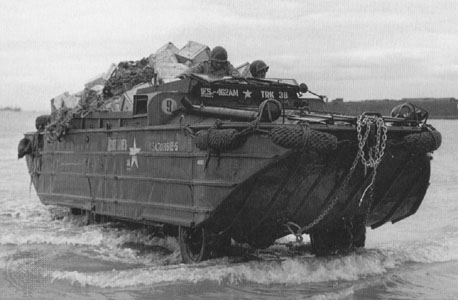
343,49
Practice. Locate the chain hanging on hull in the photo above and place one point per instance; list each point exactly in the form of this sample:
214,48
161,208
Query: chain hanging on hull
370,157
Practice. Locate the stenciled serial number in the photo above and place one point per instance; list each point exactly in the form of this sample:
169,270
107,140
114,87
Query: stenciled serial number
164,146
208,92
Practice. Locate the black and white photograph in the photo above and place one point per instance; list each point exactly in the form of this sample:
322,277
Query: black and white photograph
228,150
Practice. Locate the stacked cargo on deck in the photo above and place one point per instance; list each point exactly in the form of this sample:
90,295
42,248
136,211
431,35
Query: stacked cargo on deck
113,90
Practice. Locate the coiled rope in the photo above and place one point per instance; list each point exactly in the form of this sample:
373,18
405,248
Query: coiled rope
424,142
303,138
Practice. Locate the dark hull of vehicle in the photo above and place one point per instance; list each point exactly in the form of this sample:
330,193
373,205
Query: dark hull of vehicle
157,174
300,186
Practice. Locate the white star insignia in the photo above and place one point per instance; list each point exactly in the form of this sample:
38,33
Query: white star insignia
247,94
133,152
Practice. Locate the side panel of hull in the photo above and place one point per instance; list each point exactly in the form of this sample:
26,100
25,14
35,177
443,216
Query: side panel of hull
145,175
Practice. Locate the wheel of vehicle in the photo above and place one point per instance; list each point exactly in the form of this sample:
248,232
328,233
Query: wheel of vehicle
335,239
193,244
197,245
358,231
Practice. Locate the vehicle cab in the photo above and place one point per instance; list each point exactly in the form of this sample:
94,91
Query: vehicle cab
236,97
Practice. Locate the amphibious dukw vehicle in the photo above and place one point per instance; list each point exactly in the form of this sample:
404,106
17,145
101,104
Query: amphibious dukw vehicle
242,160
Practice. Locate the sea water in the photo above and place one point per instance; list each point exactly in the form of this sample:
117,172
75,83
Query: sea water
416,258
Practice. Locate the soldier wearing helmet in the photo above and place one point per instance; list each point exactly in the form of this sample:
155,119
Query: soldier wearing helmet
217,66
258,69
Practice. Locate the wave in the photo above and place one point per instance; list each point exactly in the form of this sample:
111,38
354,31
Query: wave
108,242
292,270
155,260
288,271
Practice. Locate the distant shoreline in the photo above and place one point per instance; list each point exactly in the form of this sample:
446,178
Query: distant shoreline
8,108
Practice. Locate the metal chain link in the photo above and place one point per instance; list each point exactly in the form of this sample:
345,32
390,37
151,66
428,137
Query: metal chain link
378,151
375,154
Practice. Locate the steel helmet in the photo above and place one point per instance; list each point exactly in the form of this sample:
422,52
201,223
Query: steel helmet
258,66
218,54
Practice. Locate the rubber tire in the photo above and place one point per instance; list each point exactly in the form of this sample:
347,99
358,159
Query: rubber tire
193,245
197,245
358,231
335,239
342,237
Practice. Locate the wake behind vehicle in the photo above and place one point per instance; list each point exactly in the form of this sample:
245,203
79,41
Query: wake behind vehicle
245,159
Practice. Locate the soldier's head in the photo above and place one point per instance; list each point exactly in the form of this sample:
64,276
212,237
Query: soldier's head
218,57
259,69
